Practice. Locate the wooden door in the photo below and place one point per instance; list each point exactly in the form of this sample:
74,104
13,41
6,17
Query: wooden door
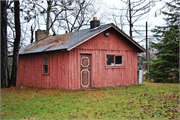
85,74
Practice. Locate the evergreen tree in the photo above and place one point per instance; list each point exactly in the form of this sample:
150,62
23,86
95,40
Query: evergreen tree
165,68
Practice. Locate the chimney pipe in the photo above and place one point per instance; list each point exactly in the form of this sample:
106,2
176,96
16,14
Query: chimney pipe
94,23
94,18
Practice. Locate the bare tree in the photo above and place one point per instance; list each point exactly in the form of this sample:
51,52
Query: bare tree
4,52
11,25
135,11
82,13
30,19
68,15
52,10
118,17
16,43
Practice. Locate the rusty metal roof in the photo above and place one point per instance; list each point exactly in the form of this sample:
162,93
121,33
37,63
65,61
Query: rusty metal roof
70,40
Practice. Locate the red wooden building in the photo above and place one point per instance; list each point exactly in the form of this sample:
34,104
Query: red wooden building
102,55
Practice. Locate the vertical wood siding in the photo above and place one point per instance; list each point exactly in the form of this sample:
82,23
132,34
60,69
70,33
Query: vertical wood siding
64,66
30,70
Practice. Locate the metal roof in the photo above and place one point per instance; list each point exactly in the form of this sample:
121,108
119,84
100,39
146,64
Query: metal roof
70,40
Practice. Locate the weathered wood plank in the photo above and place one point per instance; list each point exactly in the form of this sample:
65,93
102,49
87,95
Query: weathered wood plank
50,76
59,69
33,70
75,69
55,69
39,72
66,58
70,70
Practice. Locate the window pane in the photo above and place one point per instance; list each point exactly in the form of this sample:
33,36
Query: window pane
45,68
110,59
118,60
45,60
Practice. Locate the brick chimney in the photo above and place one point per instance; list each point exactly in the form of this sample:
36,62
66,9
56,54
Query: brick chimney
94,23
41,34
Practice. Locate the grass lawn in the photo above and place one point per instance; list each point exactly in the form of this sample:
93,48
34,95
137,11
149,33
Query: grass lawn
147,101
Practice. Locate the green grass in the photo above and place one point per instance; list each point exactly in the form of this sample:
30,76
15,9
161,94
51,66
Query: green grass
147,101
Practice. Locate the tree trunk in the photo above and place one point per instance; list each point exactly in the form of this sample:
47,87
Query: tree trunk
48,14
130,20
32,34
4,52
16,43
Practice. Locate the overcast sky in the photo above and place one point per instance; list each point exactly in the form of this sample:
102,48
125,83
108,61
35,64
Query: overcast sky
150,17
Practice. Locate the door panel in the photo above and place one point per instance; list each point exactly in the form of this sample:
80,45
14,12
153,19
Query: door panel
85,71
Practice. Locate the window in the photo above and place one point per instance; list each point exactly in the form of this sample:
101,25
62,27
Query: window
118,60
114,60
45,65
110,59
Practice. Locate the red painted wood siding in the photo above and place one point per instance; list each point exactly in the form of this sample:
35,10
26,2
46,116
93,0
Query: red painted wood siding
30,70
64,70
